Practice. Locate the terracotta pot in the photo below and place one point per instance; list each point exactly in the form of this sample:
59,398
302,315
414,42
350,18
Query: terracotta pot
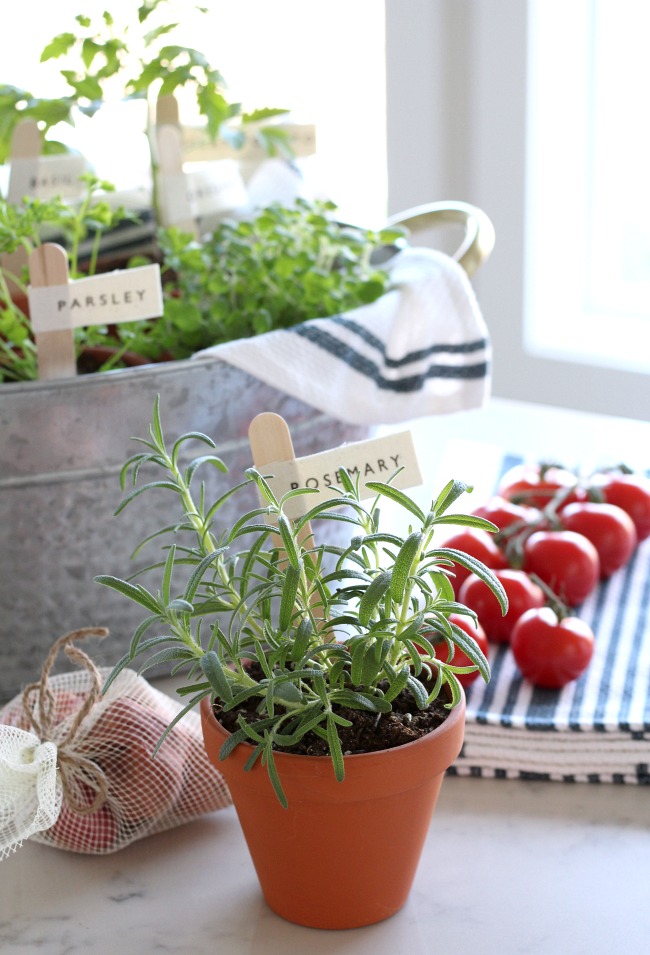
344,854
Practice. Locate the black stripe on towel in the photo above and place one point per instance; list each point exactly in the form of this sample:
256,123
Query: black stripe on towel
371,370
461,348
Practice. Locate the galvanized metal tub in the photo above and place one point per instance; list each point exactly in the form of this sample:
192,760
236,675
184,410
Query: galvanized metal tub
62,445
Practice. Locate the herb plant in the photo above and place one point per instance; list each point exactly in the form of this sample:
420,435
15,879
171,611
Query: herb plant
135,59
286,265
25,225
330,627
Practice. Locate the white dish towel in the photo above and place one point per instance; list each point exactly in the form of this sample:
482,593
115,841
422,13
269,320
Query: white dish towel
420,349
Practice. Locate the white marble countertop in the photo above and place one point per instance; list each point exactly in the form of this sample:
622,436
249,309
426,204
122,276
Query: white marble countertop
511,868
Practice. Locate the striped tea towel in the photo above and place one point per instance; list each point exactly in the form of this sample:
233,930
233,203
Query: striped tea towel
595,729
421,349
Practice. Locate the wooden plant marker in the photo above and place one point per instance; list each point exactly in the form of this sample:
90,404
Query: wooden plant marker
373,459
167,111
48,266
58,305
25,151
43,177
175,209
185,196
270,441
26,144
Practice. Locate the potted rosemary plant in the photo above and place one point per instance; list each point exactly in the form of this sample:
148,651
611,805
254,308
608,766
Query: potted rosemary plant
325,675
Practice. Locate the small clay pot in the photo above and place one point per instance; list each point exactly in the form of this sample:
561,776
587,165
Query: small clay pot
344,854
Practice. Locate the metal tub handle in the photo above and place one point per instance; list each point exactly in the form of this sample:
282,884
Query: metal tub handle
479,237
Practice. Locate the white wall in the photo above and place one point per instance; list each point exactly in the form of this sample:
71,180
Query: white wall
456,126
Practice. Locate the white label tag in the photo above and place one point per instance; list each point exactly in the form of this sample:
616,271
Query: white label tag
126,295
197,146
214,187
47,176
373,460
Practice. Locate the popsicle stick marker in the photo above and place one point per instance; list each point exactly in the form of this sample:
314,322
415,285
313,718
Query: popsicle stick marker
23,163
26,146
48,266
26,140
270,441
167,113
175,207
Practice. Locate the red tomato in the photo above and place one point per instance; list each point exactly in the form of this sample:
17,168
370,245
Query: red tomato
631,492
522,594
504,513
461,659
551,651
609,528
564,560
536,486
479,544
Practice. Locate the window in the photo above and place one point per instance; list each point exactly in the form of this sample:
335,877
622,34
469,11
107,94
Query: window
588,189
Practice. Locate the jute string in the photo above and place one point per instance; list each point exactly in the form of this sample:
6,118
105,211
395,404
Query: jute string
38,698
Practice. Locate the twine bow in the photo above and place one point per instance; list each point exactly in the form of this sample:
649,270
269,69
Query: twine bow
39,702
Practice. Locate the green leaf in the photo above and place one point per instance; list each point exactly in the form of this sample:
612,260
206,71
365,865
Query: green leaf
449,494
362,701
419,692
373,663
398,684
289,593
134,592
167,575
403,565
286,692
239,736
336,752
212,668
263,486
169,485
475,567
197,574
267,757
472,650
191,436
466,520
179,716
302,637
59,46
373,595
165,656
178,605
288,541
394,494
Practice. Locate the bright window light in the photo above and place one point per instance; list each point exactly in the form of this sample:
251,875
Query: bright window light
323,61
588,201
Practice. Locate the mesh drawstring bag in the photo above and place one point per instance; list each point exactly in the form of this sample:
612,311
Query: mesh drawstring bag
77,769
